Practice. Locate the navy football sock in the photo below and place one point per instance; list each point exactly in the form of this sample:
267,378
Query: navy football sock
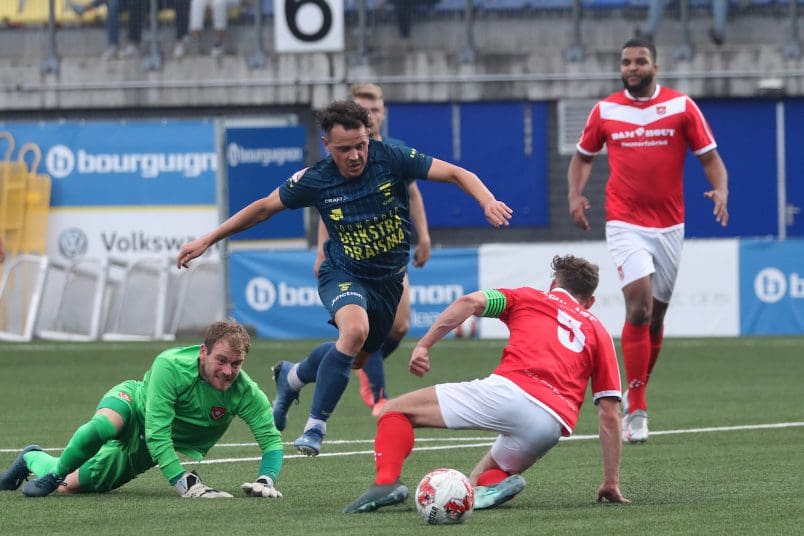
308,369
331,382
375,370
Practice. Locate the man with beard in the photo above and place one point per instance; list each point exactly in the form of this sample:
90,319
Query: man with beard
361,193
646,130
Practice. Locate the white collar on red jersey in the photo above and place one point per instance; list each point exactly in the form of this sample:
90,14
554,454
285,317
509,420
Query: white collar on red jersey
570,296
642,99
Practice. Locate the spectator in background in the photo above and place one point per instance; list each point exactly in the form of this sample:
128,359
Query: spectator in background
114,7
219,19
182,10
717,33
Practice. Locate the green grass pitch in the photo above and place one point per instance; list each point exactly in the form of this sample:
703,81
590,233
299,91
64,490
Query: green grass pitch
713,464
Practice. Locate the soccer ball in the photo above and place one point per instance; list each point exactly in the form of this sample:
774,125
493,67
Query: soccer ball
445,496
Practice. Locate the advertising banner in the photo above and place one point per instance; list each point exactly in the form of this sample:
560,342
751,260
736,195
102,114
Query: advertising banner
772,287
705,301
258,160
129,189
275,291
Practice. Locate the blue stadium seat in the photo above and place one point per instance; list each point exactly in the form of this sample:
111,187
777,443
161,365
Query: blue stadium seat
452,5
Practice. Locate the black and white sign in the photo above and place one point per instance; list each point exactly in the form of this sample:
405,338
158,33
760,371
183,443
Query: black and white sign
308,25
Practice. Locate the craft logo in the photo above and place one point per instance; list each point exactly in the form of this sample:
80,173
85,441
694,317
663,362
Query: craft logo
73,243
124,396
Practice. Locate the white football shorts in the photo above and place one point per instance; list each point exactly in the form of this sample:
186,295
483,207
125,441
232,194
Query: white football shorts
641,251
527,431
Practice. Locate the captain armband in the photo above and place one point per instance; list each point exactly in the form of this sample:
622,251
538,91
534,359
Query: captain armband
495,303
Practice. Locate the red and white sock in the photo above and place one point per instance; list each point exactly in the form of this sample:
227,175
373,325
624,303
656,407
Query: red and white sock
636,356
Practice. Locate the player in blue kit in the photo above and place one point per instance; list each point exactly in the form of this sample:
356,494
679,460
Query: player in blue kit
361,192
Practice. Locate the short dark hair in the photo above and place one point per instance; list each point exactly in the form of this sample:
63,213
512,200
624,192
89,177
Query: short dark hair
346,113
237,336
641,42
576,275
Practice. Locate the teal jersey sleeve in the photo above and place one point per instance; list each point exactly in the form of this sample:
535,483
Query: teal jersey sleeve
496,303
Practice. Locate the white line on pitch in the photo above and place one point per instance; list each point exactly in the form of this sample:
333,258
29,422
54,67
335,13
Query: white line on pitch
464,441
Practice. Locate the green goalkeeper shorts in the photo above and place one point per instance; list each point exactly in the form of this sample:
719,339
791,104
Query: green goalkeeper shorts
122,459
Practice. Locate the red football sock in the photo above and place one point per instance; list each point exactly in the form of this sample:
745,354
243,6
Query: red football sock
655,348
491,477
636,356
392,444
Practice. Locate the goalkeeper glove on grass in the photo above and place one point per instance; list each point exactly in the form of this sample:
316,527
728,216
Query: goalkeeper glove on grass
263,487
190,486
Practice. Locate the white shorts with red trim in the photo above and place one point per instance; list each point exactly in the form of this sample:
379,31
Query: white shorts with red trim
641,251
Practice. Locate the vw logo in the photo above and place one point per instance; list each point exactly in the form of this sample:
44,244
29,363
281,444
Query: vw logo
260,294
770,285
59,161
73,243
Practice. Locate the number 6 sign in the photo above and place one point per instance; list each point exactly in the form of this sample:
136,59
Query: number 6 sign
308,25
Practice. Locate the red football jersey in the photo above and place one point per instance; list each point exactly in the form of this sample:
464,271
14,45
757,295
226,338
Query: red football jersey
555,347
647,142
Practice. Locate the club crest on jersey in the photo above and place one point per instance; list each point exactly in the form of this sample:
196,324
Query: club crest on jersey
620,273
661,110
343,287
217,412
124,396
336,214
385,188
412,153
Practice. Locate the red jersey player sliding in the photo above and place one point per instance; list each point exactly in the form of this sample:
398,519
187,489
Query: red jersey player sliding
646,130
531,399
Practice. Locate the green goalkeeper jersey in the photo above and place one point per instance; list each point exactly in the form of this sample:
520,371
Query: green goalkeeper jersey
183,413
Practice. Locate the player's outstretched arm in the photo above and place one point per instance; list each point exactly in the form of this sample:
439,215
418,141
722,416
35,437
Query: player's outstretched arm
718,177
580,169
497,213
259,210
610,443
452,317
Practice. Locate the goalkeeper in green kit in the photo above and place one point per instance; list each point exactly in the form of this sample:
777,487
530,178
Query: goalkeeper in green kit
184,403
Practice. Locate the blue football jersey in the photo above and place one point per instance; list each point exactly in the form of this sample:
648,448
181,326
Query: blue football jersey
367,217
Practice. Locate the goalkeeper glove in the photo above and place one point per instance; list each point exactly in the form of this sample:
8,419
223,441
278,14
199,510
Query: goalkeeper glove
263,487
190,486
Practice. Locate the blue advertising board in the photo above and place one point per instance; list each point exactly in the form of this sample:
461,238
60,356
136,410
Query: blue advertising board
259,159
125,163
275,291
771,287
